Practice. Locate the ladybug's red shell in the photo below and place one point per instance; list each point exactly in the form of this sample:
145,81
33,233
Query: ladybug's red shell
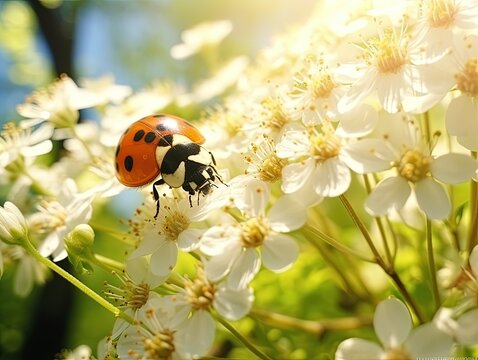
136,161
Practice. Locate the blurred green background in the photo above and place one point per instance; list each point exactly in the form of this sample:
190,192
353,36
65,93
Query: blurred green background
131,41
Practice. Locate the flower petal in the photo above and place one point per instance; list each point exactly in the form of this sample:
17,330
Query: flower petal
279,252
198,334
218,239
358,122
332,178
287,214
474,261
392,322
461,116
296,175
427,341
368,155
164,259
454,168
188,240
469,142
218,266
358,349
359,91
467,330
389,194
233,304
244,269
432,199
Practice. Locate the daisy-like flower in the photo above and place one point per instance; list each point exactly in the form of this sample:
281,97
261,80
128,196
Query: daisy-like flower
171,231
232,248
264,163
58,104
56,218
28,271
136,288
201,36
462,112
386,70
18,142
316,164
402,150
106,89
200,296
316,93
393,327
161,334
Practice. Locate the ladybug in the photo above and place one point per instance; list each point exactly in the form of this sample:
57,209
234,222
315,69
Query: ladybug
167,146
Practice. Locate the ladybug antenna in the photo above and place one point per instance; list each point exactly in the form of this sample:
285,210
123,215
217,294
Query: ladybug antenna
156,196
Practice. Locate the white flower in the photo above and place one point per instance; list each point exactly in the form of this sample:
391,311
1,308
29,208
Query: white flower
319,167
28,271
206,34
393,327
462,112
385,70
56,218
106,89
26,142
137,284
13,227
58,104
416,169
315,93
165,334
463,327
233,248
82,352
170,232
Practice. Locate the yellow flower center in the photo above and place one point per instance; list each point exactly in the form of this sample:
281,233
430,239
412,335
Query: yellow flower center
414,166
129,294
265,163
323,85
173,224
467,79
324,146
441,13
388,52
274,115
200,293
254,232
51,217
160,346
396,354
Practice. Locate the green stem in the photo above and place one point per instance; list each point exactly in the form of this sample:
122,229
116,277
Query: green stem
473,228
358,222
313,327
106,263
431,264
242,339
408,297
74,281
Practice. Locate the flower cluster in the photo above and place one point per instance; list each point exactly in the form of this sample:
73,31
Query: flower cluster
372,108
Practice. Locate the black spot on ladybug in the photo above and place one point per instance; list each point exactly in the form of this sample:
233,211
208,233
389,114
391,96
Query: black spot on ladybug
116,166
165,140
128,163
117,151
150,137
139,135
161,127
126,131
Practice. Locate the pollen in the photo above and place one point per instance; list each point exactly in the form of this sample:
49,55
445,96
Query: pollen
388,53
414,166
160,346
275,116
324,146
51,216
254,232
173,223
264,163
467,79
200,293
323,85
441,13
128,294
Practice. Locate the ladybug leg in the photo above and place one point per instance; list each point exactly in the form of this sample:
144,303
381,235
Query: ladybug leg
156,195
213,159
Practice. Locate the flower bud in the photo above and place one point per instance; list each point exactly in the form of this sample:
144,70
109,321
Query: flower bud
13,227
79,240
